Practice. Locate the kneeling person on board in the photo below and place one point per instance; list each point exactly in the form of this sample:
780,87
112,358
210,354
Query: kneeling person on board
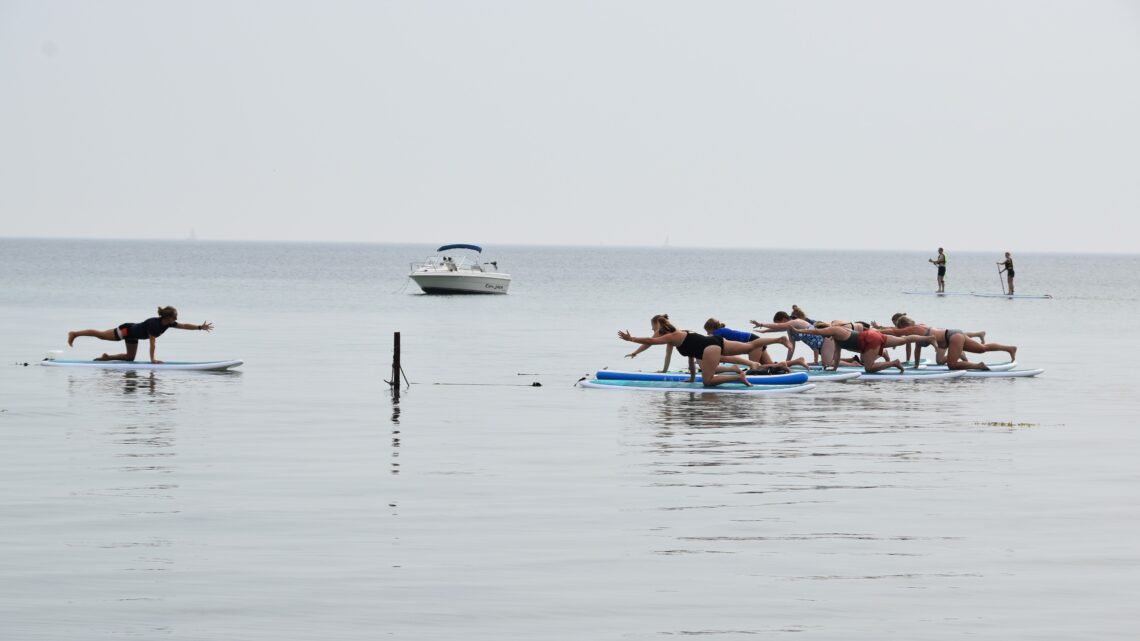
663,319
759,354
868,343
953,341
132,333
901,321
709,349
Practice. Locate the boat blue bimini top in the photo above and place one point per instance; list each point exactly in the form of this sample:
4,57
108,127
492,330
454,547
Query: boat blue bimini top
460,246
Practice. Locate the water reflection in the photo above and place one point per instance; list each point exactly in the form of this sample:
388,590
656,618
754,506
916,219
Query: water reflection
129,488
800,475
395,469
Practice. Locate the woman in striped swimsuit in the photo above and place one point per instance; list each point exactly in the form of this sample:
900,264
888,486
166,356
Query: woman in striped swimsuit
783,322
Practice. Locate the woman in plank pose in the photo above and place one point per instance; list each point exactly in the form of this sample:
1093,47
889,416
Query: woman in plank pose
782,321
952,342
711,350
940,354
760,354
1007,267
743,361
868,343
132,333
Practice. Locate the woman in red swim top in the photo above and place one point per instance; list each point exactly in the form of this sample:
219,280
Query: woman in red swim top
869,343
949,344
132,333
711,350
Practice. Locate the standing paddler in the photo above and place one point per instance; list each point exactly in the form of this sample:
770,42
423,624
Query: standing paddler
940,262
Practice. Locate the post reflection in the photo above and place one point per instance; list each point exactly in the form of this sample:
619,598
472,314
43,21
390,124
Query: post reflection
395,468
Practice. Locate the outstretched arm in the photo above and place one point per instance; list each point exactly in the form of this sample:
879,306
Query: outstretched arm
826,331
913,330
637,351
205,327
776,327
648,340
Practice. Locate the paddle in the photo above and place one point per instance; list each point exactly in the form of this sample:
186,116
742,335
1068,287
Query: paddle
1000,280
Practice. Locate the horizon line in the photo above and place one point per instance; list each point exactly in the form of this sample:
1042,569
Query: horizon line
669,247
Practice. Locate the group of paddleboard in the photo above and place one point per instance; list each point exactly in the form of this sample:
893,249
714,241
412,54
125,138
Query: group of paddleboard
1004,267
727,355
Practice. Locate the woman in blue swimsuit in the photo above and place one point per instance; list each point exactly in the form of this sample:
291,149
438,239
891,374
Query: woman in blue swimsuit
132,333
713,327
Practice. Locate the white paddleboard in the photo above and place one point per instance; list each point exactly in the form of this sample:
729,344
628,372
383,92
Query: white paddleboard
1010,373
146,365
823,376
981,295
912,375
994,367
940,293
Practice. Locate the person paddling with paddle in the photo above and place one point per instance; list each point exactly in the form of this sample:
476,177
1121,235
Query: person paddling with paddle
1007,267
940,262
132,333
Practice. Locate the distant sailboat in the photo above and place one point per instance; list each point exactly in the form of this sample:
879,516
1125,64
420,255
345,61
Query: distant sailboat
666,244
192,235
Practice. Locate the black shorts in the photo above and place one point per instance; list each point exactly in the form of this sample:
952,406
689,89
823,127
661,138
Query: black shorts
1010,273
941,272
121,334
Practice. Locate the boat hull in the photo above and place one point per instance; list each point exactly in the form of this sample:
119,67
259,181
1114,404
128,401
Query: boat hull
462,283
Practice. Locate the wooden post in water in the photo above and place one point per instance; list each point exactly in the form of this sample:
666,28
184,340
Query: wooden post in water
396,369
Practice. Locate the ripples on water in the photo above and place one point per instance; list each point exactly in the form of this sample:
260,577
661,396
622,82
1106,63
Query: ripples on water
294,499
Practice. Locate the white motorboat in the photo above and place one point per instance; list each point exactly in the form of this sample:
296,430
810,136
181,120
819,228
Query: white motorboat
461,272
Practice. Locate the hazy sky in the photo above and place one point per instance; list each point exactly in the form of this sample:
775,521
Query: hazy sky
973,125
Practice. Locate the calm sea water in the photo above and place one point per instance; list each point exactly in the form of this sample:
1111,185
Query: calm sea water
294,499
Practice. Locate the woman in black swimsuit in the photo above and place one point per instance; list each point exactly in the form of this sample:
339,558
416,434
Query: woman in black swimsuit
757,344
1007,267
709,349
132,333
